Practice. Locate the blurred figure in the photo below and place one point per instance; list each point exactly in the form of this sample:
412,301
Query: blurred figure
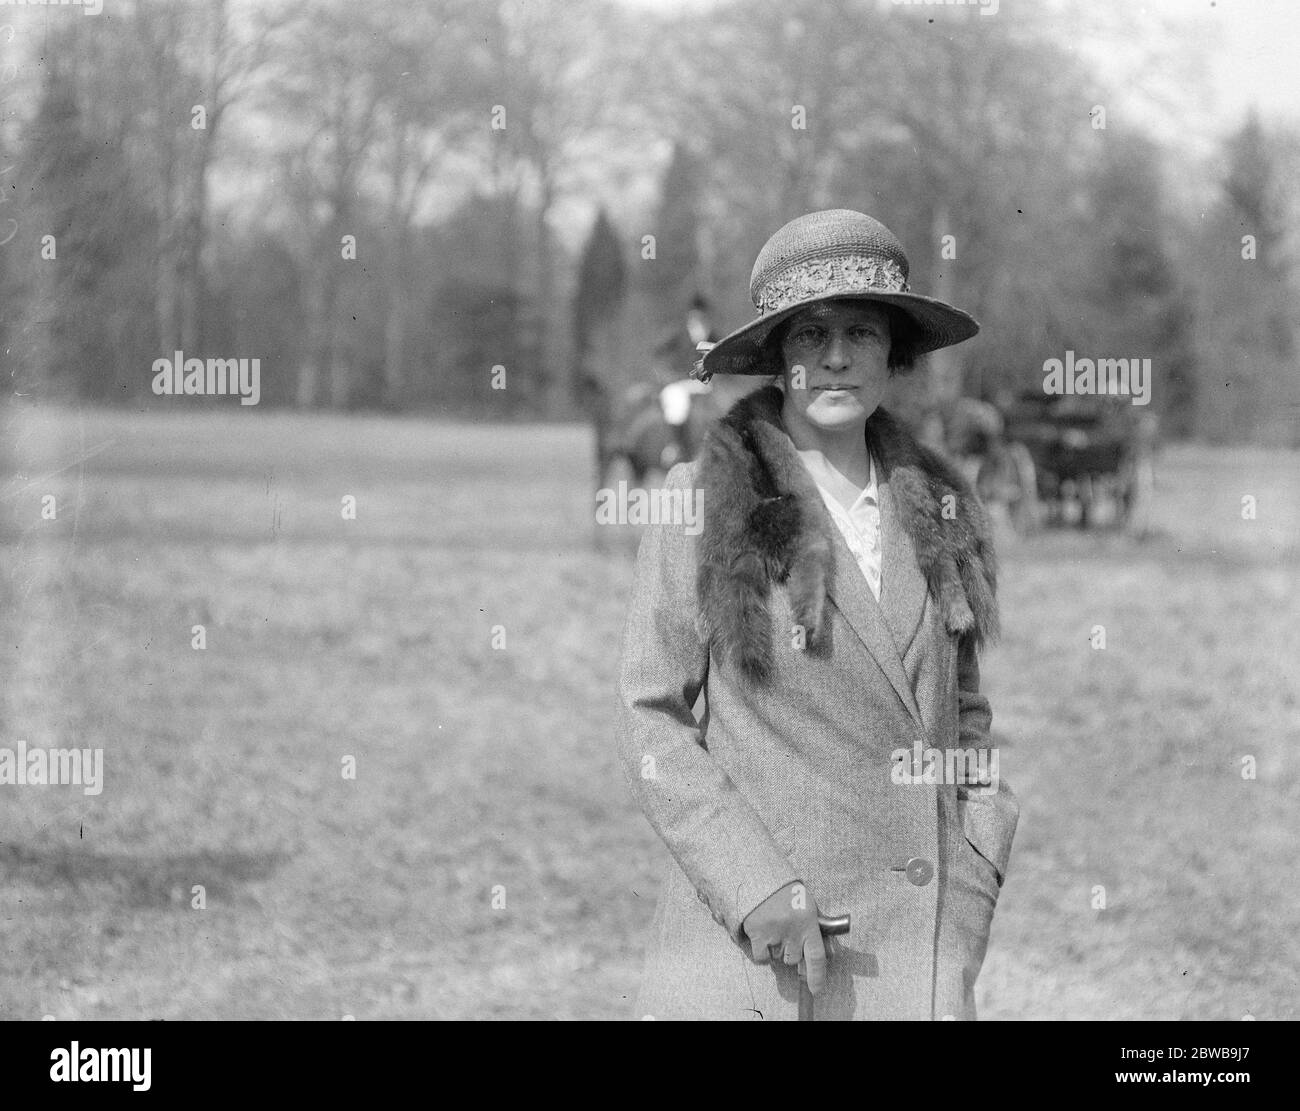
698,322
674,357
656,424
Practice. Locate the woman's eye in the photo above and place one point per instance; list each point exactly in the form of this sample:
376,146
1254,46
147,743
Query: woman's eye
863,333
808,337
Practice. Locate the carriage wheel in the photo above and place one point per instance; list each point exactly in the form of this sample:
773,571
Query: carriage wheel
1087,487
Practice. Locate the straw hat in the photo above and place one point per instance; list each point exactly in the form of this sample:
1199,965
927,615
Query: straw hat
819,257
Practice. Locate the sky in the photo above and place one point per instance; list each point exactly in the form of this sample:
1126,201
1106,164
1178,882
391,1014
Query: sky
1255,52
1249,50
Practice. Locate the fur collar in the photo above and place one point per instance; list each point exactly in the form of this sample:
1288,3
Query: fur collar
765,523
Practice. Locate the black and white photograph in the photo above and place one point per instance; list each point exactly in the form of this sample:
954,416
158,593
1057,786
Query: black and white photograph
650,511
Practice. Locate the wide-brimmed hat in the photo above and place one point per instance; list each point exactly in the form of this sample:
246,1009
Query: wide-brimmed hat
820,257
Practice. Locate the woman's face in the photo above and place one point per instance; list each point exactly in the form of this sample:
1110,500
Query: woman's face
836,359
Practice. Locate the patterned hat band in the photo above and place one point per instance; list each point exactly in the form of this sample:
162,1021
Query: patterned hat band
817,277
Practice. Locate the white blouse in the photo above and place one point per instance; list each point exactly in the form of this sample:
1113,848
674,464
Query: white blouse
859,524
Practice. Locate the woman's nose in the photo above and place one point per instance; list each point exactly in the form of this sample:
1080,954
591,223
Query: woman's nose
837,352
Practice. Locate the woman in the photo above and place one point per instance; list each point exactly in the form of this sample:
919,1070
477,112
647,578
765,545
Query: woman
828,607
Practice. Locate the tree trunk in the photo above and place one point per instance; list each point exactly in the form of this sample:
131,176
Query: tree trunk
191,272
395,350
337,371
395,323
166,269
557,387
340,372
316,346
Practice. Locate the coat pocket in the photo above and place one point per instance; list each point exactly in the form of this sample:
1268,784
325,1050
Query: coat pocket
982,861
988,824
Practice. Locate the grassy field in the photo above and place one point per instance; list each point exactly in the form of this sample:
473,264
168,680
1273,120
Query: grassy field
483,771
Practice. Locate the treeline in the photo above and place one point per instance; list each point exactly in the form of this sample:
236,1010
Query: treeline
386,202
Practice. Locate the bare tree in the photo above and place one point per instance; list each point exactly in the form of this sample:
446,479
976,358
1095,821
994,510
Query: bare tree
227,62
327,97
431,95
552,67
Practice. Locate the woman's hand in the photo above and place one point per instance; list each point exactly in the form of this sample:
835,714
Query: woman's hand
784,926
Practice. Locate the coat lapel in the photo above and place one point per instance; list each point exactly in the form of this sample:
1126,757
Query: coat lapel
852,596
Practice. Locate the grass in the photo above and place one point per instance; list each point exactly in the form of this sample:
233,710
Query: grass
485,774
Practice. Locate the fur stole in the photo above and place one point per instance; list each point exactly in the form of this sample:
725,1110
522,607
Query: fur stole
765,523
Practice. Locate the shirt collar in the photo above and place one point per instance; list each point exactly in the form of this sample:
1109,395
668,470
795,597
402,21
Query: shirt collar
833,482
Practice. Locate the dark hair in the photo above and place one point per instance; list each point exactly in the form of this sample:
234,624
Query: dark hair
904,338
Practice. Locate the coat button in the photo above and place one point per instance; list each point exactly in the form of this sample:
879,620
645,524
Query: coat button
919,871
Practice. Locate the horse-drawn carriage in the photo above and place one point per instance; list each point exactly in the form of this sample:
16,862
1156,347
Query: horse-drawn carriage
1044,459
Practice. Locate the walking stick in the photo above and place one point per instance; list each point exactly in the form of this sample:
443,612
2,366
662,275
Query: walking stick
830,927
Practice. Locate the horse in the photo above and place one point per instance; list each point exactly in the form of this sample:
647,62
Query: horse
632,428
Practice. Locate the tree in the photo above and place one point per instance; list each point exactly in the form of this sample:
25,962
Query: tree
1136,305
602,284
188,65
328,97
1247,288
552,68
674,275
432,91
226,63
92,291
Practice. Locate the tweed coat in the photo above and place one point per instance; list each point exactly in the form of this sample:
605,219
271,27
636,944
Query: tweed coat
790,772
